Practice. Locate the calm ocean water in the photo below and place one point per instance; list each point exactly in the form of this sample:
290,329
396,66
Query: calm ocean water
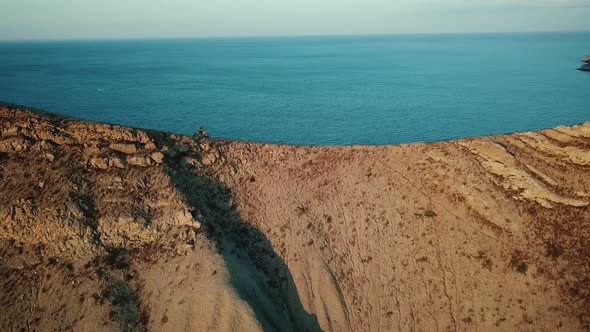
312,90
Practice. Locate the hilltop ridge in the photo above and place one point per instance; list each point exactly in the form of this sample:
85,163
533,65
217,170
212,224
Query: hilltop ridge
109,227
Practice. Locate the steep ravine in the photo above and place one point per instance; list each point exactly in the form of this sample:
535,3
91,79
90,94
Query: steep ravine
108,227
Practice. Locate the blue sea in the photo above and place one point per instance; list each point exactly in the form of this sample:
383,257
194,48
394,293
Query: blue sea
310,90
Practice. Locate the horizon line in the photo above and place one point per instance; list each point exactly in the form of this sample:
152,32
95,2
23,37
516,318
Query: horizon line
270,36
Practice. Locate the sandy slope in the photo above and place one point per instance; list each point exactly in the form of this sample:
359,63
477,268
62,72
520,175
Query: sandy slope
107,227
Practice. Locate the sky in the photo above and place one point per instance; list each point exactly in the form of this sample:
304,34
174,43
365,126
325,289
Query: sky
106,19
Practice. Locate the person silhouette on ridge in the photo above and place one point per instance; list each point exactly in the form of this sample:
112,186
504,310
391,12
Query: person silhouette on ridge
201,133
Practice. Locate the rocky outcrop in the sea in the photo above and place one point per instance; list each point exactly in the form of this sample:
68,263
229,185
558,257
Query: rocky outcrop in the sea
586,66
104,227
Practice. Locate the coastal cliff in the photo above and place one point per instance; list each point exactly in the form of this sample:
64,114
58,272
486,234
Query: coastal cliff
104,227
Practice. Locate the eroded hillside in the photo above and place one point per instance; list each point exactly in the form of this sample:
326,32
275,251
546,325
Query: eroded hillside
107,227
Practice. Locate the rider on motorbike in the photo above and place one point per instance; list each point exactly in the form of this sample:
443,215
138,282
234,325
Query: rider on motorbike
201,132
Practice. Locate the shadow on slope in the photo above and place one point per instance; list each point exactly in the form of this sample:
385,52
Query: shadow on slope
259,276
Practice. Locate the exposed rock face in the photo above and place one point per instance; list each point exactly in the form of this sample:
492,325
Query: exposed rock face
14,144
487,233
142,161
586,59
116,162
158,157
124,148
100,163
